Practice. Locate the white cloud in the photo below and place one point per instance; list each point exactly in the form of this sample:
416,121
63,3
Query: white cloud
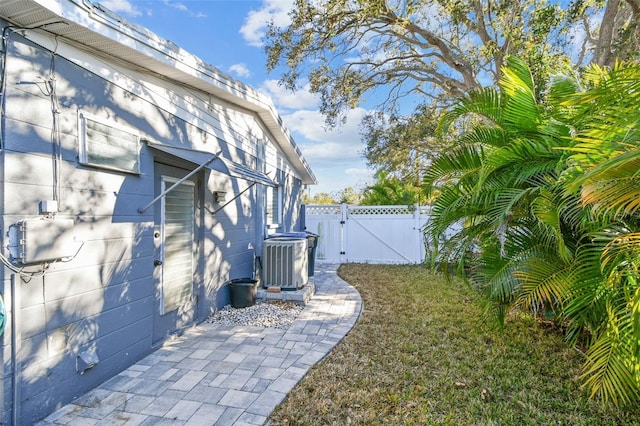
177,5
256,22
240,70
333,180
311,125
184,8
331,151
285,99
339,148
121,6
361,176
359,172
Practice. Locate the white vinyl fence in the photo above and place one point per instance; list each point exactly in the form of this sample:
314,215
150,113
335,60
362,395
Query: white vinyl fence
368,234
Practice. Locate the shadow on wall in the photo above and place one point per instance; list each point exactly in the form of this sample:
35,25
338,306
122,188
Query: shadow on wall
93,309
231,229
100,307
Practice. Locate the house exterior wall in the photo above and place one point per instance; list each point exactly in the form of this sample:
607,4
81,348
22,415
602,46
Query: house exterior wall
102,300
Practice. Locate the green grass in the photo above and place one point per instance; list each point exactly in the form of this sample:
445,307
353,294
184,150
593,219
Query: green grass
422,353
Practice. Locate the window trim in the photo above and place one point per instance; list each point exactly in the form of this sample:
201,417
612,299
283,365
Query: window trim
83,142
274,222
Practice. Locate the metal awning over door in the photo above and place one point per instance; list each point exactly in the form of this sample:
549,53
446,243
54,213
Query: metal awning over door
203,159
223,165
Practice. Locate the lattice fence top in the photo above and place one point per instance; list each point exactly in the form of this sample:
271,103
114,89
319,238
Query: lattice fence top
319,210
323,209
380,210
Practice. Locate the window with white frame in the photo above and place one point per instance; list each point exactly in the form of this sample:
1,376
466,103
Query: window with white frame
108,145
274,205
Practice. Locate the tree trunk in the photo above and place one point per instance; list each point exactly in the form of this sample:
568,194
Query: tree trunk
602,54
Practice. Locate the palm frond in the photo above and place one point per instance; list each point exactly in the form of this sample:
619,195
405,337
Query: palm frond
622,252
519,108
609,370
544,280
546,208
483,102
484,136
453,164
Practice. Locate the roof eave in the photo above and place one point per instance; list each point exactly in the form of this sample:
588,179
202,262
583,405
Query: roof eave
89,24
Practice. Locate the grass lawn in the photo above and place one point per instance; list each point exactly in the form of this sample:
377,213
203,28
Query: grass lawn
422,353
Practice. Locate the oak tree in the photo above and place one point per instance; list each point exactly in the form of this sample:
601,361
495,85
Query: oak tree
408,57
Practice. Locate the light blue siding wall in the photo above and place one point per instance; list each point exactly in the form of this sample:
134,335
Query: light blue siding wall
102,299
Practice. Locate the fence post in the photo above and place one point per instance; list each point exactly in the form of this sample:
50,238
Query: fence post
416,228
303,217
343,233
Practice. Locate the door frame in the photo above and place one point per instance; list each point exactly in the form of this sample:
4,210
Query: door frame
175,321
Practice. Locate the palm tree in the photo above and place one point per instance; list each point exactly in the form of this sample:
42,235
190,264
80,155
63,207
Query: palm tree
604,170
548,194
501,183
389,190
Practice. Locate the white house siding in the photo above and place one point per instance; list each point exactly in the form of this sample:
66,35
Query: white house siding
103,299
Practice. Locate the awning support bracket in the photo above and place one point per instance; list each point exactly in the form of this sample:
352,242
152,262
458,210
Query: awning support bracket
172,187
234,198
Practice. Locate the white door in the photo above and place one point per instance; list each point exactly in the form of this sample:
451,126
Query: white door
174,260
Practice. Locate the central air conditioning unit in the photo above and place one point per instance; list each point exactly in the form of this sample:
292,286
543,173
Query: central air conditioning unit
285,263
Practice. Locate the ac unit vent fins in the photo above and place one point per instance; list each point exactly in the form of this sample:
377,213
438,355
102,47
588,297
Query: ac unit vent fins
285,263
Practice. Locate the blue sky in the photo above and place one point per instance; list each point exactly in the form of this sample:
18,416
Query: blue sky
228,35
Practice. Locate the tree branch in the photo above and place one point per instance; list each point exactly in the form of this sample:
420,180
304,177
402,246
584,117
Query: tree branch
602,52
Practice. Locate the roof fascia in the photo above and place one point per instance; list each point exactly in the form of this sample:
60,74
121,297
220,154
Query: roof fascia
101,21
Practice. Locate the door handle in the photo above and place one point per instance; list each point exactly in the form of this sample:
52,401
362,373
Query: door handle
157,262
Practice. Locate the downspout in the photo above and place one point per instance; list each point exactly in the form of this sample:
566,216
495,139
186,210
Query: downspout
15,349
261,165
261,233
15,308
6,31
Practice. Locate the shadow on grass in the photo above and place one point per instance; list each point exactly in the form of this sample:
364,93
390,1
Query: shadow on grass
422,353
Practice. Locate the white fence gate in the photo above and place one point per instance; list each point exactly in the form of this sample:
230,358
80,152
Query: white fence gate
368,234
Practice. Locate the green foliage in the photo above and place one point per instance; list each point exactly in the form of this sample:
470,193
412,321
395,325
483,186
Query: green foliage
548,196
321,198
435,49
349,196
603,170
542,178
402,146
393,52
389,190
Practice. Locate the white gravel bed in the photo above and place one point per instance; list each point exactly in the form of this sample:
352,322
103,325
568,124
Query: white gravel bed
262,314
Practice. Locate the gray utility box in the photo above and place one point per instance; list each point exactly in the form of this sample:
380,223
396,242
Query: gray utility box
41,240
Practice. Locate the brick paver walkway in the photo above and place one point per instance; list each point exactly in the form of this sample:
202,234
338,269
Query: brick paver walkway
222,375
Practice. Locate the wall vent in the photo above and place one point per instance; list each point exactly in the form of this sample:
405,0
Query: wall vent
285,263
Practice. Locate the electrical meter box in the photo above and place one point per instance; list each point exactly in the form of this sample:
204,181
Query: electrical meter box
41,240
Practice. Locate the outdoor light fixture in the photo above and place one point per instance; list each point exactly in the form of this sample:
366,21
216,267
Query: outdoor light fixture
220,196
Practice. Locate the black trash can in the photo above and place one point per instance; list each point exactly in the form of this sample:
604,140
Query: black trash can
312,243
242,292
